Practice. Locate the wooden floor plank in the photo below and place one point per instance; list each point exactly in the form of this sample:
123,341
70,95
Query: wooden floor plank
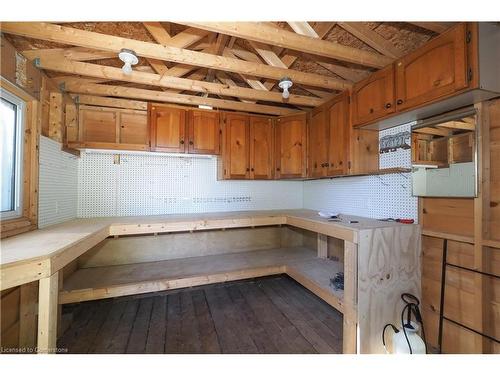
297,319
138,336
120,339
232,335
284,334
155,343
208,335
105,336
173,336
261,338
266,315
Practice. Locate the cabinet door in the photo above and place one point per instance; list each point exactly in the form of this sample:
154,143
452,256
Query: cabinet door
167,126
236,146
338,149
261,148
98,125
134,129
373,97
204,132
318,143
291,146
437,69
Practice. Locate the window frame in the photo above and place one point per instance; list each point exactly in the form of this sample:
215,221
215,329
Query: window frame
20,104
30,134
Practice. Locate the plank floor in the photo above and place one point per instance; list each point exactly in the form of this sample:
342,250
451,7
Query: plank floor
265,315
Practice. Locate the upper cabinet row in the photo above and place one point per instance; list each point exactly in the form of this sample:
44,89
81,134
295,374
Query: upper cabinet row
175,129
436,70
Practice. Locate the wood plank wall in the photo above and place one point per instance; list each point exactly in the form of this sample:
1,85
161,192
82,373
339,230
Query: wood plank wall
52,119
472,229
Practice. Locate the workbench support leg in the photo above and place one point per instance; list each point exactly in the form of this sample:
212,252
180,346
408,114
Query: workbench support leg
47,313
27,315
350,344
322,246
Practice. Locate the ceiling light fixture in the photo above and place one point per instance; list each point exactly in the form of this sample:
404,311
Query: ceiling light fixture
284,84
129,58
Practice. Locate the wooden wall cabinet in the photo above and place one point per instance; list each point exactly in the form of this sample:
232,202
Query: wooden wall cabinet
203,132
329,134
373,97
248,147
291,146
236,154
179,130
437,69
111,128
339,128
261,148
168,128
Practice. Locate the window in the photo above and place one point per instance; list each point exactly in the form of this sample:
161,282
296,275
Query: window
11,154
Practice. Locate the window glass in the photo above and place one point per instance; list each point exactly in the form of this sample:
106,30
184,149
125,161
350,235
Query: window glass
11,109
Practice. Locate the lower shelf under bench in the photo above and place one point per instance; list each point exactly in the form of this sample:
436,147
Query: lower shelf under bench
300,263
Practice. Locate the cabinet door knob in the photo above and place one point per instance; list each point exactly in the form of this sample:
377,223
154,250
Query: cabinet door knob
252,169
400,101
248,169
371,110
278,169
388,105
191,142
437,82
181,141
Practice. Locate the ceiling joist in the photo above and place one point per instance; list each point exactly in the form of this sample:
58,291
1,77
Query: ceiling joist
185,84
74,86
88,39
263,33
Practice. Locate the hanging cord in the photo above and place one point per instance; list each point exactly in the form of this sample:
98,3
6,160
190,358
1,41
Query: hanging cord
383,334
412,303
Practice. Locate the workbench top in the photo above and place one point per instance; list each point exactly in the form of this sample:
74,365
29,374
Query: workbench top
49,249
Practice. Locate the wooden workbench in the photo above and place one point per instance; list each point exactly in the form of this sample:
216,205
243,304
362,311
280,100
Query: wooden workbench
381,260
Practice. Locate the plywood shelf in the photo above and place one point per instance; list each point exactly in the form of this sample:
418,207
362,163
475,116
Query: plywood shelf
368,173
113,281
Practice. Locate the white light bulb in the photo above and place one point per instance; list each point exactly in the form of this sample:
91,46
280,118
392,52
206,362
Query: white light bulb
127,68
286,93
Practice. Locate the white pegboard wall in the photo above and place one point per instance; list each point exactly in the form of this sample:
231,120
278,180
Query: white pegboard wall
149,184
371,196
58,184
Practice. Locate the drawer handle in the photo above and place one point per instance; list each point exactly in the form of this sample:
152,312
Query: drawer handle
400,101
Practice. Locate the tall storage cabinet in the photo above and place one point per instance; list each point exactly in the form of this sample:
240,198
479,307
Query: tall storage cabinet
291,146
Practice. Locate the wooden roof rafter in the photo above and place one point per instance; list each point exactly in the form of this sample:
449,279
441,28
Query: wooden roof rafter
77,86
164,81
266,34
67,35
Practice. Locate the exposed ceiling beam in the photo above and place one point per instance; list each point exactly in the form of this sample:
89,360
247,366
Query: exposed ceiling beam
219,46
371,38
351,74
158,32
75,53
110,102
437,27
252,82
116,74
302,27
82,38
260,32
457,125
159,96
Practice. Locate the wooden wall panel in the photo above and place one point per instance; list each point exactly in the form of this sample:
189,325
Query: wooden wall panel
123,250
9,310
447,215
494,212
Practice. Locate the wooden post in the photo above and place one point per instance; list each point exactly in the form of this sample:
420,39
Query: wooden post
322,246
350,345
27,315
47,313
482,294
